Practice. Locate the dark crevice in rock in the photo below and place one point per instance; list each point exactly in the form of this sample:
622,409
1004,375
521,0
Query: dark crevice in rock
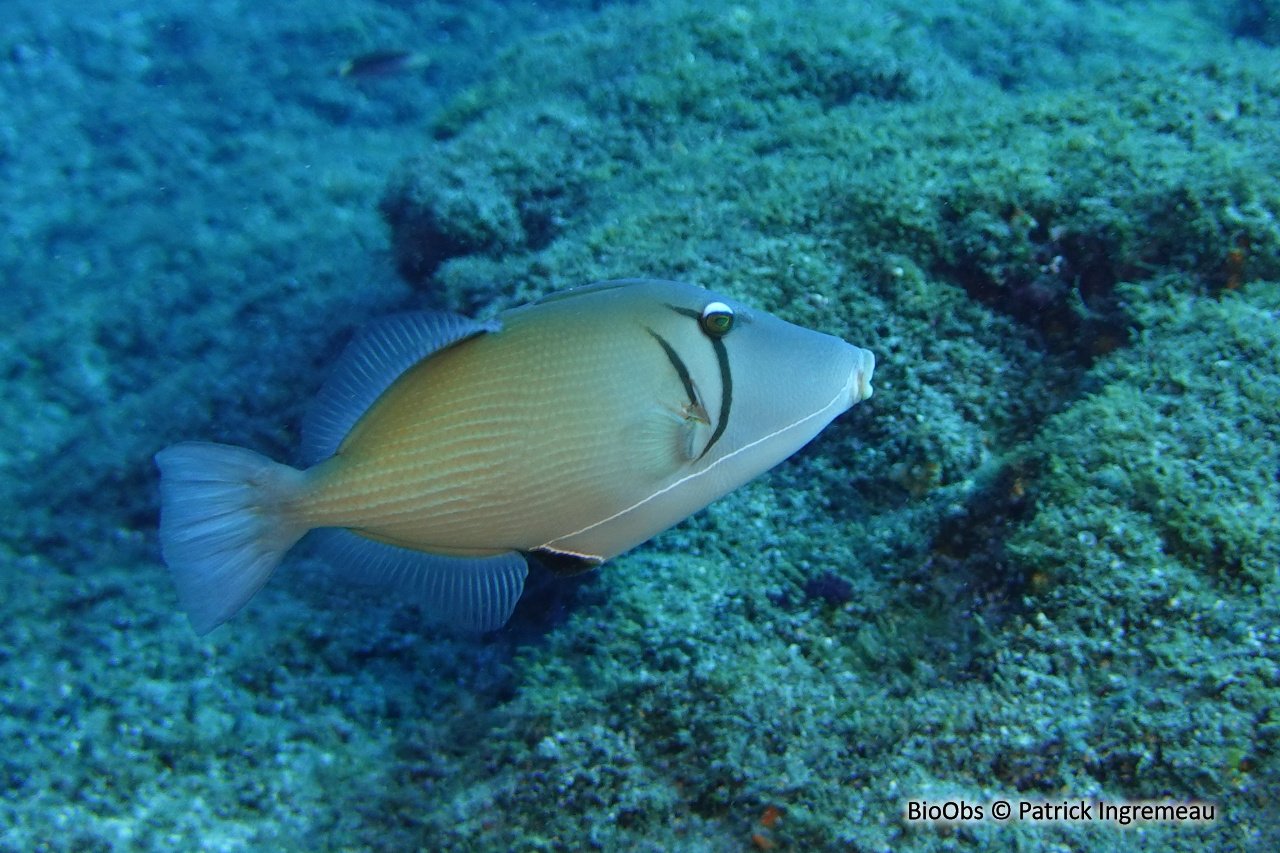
1058,281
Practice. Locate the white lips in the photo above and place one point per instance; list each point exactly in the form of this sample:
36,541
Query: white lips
859,385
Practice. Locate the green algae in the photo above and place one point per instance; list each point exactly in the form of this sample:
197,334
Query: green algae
1074,426
1055,518
1155,545
1185,435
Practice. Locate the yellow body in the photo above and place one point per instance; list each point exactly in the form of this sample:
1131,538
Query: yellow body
510,440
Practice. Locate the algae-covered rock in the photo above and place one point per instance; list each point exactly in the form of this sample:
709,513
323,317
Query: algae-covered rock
1185,434
1050,535
1153,556
1038,564
1255,19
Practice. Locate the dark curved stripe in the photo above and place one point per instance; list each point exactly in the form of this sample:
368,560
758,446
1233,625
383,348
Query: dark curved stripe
726,376
726,395
682,370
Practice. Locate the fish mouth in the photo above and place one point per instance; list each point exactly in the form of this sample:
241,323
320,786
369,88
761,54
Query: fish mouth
859,387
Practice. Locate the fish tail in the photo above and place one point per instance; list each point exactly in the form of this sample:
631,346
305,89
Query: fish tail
224,525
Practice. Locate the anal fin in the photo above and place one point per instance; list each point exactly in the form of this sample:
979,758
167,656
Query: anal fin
470,593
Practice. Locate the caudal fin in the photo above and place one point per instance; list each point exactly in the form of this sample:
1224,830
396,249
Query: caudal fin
223,529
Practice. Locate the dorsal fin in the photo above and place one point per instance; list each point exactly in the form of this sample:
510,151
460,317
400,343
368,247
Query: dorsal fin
375,358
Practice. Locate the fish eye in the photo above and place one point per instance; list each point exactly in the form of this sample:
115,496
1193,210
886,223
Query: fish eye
717,319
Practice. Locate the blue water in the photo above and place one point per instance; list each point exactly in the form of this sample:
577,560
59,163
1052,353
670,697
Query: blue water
198,209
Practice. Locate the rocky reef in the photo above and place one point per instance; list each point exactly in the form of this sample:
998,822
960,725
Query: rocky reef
1039,564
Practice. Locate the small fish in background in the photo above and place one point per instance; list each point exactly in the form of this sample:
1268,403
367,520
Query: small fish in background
383,63
444,450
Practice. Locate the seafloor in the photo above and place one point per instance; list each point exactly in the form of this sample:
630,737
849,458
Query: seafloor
1040,564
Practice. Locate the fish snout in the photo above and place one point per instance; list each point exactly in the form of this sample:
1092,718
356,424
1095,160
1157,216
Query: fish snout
859,387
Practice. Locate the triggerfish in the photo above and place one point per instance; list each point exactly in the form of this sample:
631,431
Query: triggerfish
443,450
